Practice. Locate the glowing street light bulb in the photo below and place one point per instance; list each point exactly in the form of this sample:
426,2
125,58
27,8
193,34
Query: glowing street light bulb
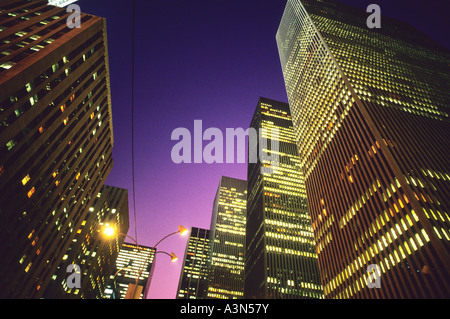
182,230
109,231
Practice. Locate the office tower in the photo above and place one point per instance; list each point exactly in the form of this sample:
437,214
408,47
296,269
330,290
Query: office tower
55,135
370,114
227,239
134,261
193,282
97,257
281,260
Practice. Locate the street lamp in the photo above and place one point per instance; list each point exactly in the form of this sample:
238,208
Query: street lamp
110,231
132,293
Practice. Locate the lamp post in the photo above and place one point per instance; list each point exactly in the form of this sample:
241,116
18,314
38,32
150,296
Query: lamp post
134,290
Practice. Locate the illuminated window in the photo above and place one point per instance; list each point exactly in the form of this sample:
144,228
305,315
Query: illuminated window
10,144
25,179
28,267
31,192
29,87
33,100
7,65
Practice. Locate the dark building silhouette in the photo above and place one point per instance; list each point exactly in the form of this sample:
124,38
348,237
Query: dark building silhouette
55,138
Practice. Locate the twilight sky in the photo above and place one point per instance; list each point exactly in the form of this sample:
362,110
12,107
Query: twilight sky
197,59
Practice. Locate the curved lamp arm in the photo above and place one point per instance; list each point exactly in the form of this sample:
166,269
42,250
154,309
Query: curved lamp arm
172,255
129,268
181,230
134,240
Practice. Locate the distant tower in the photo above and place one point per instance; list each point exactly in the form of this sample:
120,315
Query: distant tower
281,260
193,282
227,239
133,261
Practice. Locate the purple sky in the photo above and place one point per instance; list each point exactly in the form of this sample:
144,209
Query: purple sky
196,59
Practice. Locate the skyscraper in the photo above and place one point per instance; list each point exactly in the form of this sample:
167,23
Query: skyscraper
370,114
193,282
281,260
227,239
55,138
134,261
96,257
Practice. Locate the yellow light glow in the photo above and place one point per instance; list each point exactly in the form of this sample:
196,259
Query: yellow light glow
109,231
26,179
31,192
182,230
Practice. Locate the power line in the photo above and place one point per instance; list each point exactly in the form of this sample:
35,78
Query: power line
132,119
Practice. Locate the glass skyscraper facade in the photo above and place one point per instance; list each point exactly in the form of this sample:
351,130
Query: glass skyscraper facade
56,138
281,259
227,239
370,115
193,282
